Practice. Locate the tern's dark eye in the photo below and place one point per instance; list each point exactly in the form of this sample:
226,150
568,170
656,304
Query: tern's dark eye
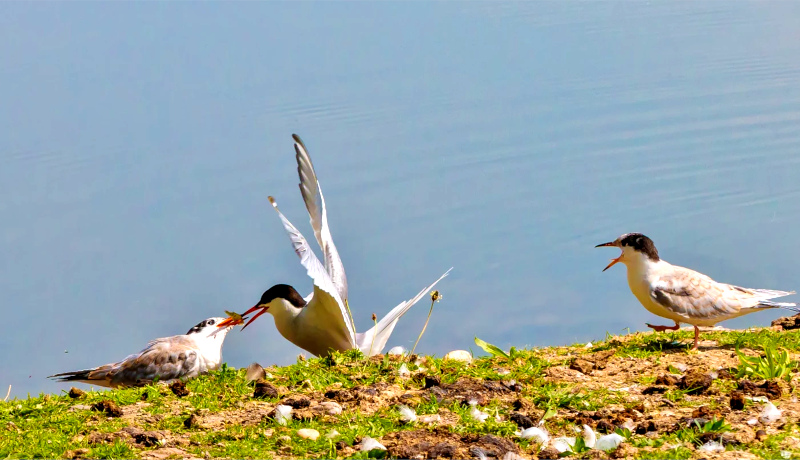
211,322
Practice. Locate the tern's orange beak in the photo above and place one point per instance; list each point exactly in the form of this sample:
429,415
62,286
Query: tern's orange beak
613,261
230,322
263,308
233,319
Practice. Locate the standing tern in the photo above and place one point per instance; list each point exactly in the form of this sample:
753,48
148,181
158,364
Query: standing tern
321,322
684,295
169,358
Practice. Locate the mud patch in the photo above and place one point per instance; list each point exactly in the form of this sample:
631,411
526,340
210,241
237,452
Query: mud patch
770,388
296,402
146,438
108,407
481,392
522,420
251,414
737,400
563,374
167,452
265,390
178,388
370,399
605,420
130,434
77,453
590,362
440,443
695,382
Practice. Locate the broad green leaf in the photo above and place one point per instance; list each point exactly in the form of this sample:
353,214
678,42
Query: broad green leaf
491,349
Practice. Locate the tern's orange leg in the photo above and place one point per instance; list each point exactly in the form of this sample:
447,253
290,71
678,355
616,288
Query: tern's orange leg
664,328
696,337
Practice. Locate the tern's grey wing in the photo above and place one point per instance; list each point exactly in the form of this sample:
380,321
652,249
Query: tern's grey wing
323,286
315,204
164,359
168,358
700,297
695,295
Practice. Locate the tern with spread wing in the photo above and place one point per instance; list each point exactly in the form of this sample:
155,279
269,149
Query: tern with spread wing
684,295
321,322
166,359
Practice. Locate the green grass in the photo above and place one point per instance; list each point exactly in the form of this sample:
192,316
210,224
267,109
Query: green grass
46,427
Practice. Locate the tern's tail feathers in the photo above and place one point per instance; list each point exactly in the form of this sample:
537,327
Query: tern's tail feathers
785,305
770,294
763,296
74,375
96,376
374,340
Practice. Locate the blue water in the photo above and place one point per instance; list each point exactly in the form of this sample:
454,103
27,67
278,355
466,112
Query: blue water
141,140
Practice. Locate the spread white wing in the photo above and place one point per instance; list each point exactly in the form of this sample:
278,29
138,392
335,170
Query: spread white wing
315,204
325,290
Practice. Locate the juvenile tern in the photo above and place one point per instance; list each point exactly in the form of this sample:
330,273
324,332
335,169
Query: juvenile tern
321,322
684,295
169,358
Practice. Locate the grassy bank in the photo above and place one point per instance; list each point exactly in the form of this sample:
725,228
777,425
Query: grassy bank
665,401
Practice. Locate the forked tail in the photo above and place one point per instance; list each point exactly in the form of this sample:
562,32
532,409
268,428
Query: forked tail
766,294
72,376
791,306
98,375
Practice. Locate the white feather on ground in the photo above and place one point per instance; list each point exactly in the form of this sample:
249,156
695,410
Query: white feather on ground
609,442
368,444
283,414
407,414
770,414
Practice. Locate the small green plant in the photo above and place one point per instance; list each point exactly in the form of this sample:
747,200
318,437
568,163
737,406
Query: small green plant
435,297
698,434
493,350
578,448
774,364
673,370
624,432
714,426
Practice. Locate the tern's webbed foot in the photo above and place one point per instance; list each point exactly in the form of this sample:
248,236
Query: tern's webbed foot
663,328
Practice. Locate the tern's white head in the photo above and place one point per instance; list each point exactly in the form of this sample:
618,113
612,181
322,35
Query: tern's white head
280,300
636,248
209,329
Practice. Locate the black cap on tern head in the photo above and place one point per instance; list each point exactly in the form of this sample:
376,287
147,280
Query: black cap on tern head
640,243
282,291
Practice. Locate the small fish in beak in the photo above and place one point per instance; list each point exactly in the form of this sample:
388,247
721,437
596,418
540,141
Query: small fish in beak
233,319
264,309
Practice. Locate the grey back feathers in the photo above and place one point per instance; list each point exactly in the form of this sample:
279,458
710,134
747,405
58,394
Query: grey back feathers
164,359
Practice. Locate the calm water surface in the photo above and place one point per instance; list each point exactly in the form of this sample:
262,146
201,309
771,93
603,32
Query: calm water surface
141,140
